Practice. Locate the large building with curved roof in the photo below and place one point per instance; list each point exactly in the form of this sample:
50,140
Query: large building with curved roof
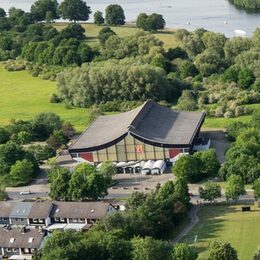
148,132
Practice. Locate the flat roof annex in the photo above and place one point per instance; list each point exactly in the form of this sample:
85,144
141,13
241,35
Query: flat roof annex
150,123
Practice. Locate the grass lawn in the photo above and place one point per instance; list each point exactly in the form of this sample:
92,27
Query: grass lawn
227,223
92,30
23,96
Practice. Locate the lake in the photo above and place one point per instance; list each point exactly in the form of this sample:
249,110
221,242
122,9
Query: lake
214,15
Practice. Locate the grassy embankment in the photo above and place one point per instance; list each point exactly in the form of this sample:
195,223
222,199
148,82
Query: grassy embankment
227,223
23,96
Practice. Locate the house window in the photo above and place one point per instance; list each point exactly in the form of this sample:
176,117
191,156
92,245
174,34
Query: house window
26,250
32,250
35,220
75,220
62,219
15,250
41,220
81,220
8,250
56,219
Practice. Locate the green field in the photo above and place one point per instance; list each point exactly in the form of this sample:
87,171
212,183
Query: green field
23,96
227,223
167,36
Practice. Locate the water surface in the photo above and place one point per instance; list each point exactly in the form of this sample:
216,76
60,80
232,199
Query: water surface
214,15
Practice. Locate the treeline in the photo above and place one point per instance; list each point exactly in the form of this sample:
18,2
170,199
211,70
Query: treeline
242,158
19,159
134,233
252,5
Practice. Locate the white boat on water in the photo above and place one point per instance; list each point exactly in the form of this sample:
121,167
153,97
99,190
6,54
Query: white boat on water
240,33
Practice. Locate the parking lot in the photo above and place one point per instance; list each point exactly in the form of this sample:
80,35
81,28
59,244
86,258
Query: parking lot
127,183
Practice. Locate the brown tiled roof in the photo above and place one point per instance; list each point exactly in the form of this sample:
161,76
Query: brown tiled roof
40,209
92,210
6,208
14,238
150,122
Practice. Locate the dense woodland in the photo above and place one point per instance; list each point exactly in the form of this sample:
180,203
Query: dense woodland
206,71
251,5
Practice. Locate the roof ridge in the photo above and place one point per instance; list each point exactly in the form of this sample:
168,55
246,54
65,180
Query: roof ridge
145,108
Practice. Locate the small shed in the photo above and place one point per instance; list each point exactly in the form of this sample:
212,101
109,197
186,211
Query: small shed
148,167
158,167
121,167
139,166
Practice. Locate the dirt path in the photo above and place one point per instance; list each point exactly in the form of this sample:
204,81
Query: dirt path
194,220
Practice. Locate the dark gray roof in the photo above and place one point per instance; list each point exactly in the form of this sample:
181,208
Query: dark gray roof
41,209
21,210
92,210
15,238
6,208
150,122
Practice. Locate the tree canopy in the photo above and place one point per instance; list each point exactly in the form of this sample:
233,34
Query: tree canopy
74,10
115,15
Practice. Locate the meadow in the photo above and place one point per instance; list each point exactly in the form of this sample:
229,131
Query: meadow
228,224
23,96
166,36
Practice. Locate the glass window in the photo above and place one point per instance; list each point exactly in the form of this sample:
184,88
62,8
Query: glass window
159,155
102,157
129,140
149,148
150,156
131,157
130,148
95,156
112,157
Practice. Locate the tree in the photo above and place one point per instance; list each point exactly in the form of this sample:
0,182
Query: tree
21,172
187,101
187,69
41,152
188,167
235,187
230,75
74,10
210,191
10,153
87,183
181,191
255,121
151,22
2,13
73,31
41,8
135,201
98,18
182,251
115,15
257,254
256,188
4,135
149,248
3,195
59,189
104,34
222,251
45,123
62,245
246,78
209,161
108,170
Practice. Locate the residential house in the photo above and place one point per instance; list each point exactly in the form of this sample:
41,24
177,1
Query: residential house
40,213
15,243
20,213
5,211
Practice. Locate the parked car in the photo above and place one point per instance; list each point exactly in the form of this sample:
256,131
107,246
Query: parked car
27,192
